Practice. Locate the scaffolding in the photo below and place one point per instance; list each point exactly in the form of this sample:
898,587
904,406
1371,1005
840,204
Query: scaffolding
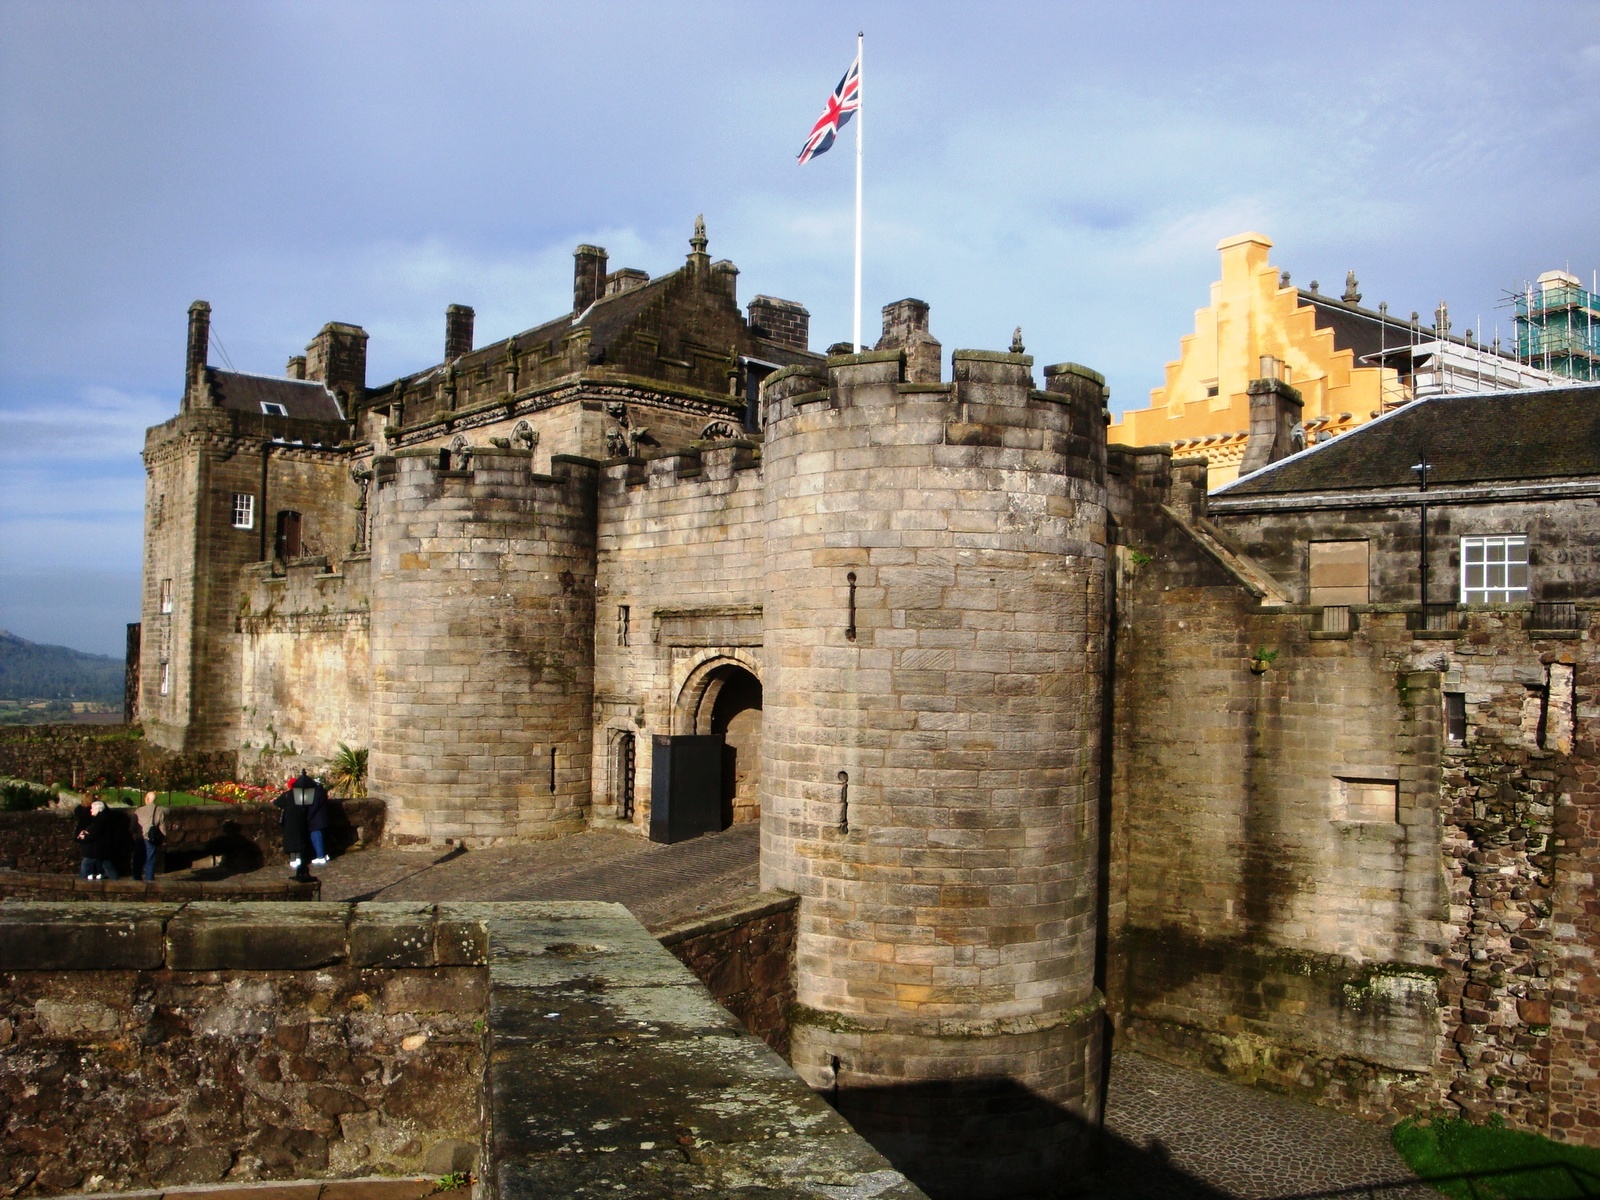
1558,326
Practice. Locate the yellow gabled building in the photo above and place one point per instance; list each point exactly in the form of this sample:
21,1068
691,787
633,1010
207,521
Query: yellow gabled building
1257,326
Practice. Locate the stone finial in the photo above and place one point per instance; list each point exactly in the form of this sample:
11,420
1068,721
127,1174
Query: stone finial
1383,308
1283,279
1316,288
698,242
1016,341
1351,295
1441,319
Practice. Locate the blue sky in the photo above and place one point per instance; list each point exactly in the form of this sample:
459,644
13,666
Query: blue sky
1064,167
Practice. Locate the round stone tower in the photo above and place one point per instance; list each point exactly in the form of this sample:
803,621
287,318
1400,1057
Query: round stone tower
930,753
482,644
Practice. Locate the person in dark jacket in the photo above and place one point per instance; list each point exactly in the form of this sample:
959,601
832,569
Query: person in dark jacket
100,842
296,821
81,816
317,822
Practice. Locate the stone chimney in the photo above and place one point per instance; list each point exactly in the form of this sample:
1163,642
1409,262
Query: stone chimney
781,321
1275,409
337,358
297,366
905,327
458,320
199,341
588,276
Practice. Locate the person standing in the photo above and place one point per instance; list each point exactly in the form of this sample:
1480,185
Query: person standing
294,817
153,825
81,816
317,824
99,843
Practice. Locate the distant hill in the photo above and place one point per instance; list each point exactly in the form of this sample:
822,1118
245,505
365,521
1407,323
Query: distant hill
29,671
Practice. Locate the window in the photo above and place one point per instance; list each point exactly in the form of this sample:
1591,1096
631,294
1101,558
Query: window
166,595
166,678
1211,389
159,513
622,624
1494,570
273,410
244,511
1369,801
1455,718
1338,573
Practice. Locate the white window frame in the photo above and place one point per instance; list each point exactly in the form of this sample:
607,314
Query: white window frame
166,678
1488,565
166,595
244,510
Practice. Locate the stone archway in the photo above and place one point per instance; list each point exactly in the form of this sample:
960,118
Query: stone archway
723,696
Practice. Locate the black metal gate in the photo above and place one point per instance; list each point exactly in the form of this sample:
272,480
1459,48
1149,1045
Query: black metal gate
685,787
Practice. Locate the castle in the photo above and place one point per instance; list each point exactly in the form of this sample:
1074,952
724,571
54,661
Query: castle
1048,739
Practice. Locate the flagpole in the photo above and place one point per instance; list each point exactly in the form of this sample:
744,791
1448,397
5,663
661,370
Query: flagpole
861,83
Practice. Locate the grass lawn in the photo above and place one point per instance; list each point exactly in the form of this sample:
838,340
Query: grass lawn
135,797
1502,1164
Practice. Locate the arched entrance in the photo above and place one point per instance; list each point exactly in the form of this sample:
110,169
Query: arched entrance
723,697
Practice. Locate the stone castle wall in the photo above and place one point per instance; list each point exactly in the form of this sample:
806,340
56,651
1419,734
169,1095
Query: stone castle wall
1320,889
306,673
482,646
681,545
934,626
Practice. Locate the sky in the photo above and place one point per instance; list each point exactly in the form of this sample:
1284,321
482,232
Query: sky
1065,167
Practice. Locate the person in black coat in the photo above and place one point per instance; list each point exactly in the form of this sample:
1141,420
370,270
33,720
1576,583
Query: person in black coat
100,842
296,821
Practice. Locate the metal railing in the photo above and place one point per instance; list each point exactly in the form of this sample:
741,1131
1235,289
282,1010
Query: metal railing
1436,618
1554,616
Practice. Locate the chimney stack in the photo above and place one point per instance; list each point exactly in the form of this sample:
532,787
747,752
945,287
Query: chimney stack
588,276
297,366
458,320
781,321
905,327
1275,409
199,340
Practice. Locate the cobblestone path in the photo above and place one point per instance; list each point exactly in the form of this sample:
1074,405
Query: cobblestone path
1181,1133
661,885
1170,1132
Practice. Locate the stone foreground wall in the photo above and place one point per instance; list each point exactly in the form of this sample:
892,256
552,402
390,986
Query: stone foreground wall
144,1045
746,960
153,1045
79,756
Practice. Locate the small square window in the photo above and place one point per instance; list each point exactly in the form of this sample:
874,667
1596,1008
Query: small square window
244,510
166,595
274,410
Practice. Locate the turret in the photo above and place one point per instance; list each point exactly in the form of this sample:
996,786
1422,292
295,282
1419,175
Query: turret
935,637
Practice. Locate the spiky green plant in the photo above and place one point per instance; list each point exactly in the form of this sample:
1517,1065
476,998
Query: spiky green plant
347,771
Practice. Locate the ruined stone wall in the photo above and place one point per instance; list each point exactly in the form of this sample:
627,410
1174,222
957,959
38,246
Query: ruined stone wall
307,666
934,631
482,646
1326,891
681,547
152,1045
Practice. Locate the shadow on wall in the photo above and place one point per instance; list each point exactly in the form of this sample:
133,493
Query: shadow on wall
974,1138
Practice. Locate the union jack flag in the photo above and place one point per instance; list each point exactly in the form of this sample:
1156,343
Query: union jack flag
841,107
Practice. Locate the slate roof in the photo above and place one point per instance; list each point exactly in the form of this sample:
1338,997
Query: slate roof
302,399
1549,433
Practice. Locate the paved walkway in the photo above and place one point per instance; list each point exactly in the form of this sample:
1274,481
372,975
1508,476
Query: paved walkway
1170,1132
660,885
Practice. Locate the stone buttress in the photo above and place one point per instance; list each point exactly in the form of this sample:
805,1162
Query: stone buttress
482,644
934,623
